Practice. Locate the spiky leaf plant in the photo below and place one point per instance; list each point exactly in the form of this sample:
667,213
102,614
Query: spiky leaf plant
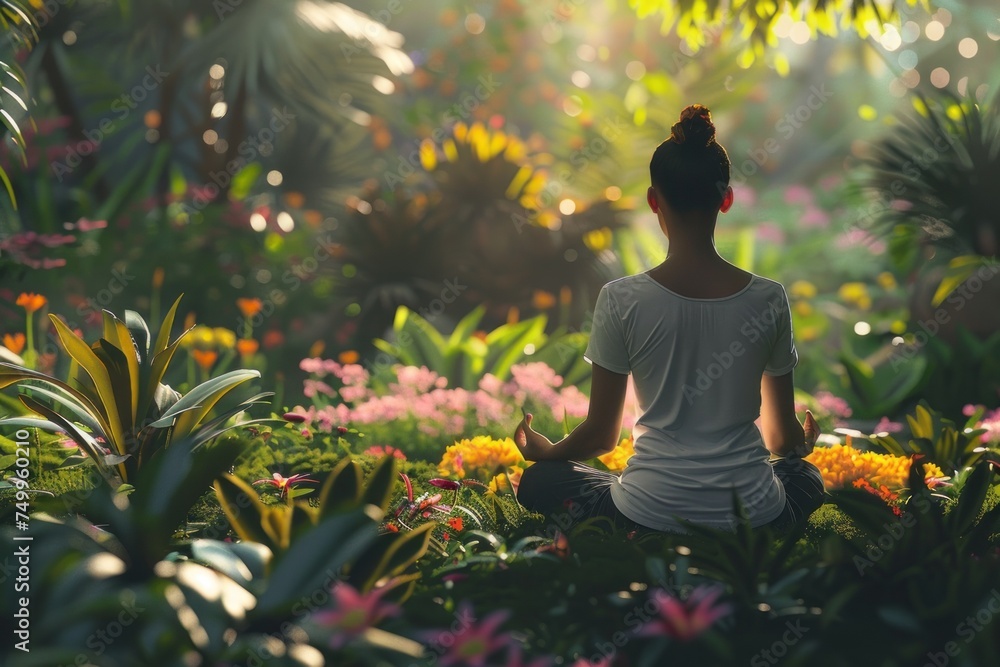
480,225
119,397
934,177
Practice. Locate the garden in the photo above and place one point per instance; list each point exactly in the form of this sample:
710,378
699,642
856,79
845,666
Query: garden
278,280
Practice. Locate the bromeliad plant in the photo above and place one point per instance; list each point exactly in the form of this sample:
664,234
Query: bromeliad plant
295,531
939,441
115,398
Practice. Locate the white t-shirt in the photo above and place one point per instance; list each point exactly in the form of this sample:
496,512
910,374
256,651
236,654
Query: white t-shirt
696,365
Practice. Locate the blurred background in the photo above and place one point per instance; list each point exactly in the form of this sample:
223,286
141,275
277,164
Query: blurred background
299,170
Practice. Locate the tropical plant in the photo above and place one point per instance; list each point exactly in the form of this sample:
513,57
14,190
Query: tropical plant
878,383
221,600
115,406
752,22
18,29
464,357
963,373
479,225
938,440
295,530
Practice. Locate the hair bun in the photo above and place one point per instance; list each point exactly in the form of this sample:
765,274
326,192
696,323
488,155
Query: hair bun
695,128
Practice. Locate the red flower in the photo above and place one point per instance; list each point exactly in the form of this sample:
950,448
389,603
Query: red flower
456,523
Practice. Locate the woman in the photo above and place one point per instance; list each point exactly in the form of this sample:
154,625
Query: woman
710,349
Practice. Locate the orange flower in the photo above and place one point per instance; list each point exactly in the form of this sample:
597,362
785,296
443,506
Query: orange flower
205,358
158,277
273,339
317,348
348,357
456,523
249,307
247,346
14,343
542,300
31,301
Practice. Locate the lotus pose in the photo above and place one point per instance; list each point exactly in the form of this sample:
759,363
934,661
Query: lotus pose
710,350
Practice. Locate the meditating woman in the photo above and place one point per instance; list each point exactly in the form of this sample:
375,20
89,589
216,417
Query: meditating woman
710,349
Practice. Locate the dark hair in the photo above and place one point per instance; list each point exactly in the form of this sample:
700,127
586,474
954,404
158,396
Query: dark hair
690,169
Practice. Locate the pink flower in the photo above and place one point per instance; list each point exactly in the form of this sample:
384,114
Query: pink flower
353,612
798,194
745,195
768,232
473,643
886,426
380,451
835,405
312,388
515,658
814,217
685,620
314,366
352,374
282,483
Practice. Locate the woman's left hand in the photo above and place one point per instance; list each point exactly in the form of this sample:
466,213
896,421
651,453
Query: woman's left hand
533,445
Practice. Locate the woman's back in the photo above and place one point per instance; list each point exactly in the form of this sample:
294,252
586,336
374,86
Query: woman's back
697,365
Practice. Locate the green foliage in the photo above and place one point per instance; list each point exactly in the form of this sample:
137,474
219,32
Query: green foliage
132,571
878,384
938,440
296,531
966,371
754,19
18,28
121,399
464,358
956,140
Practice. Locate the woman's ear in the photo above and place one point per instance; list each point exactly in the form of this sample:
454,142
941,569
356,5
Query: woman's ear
727,199
654,205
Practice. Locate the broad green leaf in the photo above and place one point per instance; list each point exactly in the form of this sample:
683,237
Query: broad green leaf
314,560
91,364
243,508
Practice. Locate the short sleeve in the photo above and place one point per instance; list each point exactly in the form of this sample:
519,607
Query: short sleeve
784,356
606,347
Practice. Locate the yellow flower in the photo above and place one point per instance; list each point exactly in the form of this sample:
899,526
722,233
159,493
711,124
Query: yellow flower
802,289
803,309
886,280
857,294
479,458
841,465
808,333
200,337
224,338
616,459
504,481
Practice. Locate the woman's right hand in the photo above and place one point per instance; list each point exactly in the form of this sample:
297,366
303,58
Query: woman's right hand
811,432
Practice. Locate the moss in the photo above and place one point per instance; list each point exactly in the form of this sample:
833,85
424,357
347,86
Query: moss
829,519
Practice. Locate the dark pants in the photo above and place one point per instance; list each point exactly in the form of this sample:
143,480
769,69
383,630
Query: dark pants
570,492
